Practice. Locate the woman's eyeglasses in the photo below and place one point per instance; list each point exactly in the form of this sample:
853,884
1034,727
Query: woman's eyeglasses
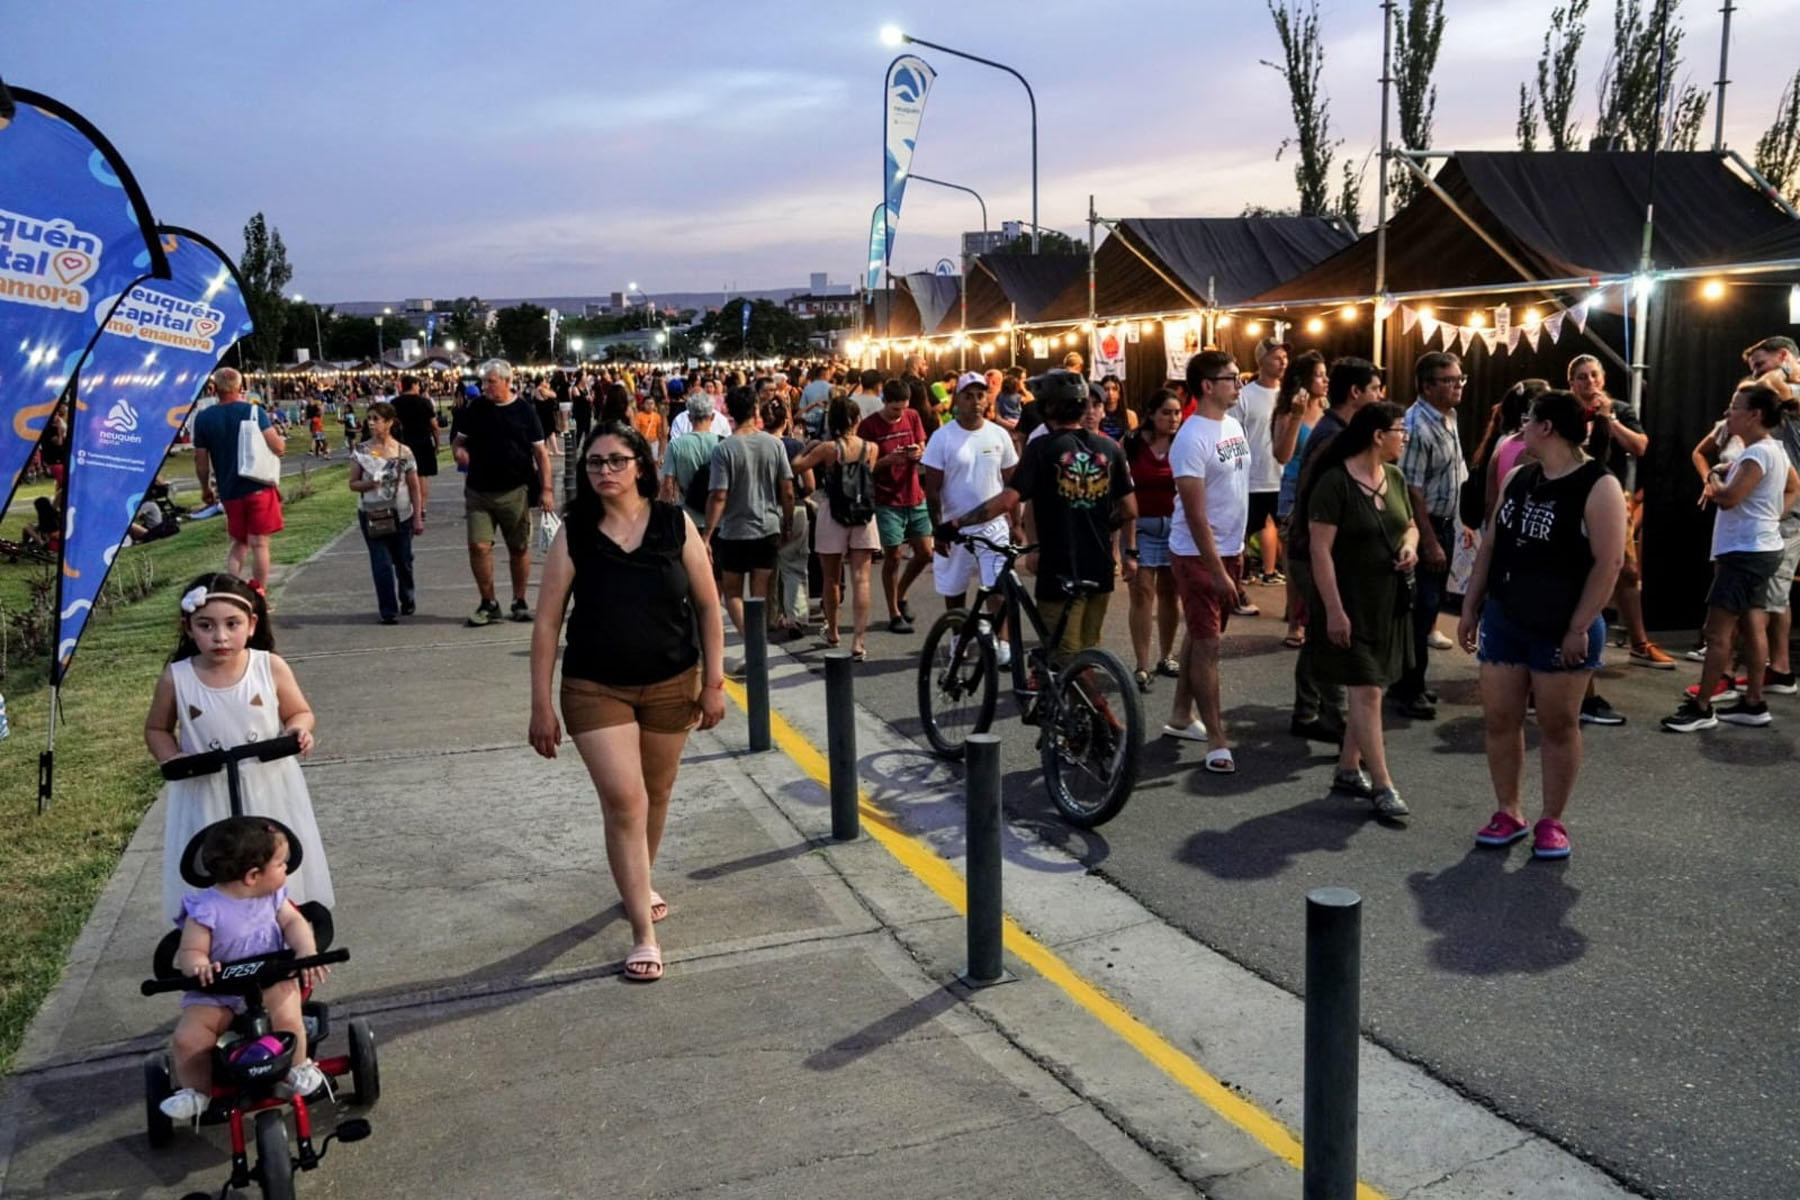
610,463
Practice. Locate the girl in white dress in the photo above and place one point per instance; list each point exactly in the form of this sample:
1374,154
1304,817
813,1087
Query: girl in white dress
225,686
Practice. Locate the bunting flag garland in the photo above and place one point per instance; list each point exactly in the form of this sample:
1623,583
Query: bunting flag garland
1553,326
1409,318
1513,334
1579,313
1502,334
1430,324
1489,338
1532,332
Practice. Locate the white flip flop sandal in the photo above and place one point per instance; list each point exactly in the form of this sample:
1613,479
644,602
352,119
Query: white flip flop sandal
1220,762
1195,732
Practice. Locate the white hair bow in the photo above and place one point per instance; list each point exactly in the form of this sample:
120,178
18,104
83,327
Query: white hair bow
191,603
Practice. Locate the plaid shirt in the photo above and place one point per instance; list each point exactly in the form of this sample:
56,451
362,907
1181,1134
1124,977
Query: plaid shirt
1433,458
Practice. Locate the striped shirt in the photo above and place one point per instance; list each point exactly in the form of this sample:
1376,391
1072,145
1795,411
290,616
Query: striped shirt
1433,459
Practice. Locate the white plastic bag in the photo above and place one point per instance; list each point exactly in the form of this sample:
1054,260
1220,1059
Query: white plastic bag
256,462
547,525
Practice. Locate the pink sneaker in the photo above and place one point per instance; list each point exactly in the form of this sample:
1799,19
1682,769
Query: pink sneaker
1503,830
1550,840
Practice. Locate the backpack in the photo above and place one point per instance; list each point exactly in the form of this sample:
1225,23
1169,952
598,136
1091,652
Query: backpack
851,491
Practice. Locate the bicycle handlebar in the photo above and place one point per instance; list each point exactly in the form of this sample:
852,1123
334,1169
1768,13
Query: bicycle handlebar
234,978
1009,550
206,762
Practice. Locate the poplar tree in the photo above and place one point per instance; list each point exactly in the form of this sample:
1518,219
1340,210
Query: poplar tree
1778,149
1416,40
1303,58
1630,106
265,271
1557,71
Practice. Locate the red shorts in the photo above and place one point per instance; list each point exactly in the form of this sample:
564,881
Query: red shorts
1207,611
258,513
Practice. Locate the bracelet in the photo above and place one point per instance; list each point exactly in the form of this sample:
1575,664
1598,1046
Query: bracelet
712,687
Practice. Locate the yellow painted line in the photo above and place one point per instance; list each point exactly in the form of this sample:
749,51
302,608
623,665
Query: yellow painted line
938,875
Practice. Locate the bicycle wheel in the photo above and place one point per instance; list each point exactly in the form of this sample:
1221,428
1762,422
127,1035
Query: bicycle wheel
1090,745
956,698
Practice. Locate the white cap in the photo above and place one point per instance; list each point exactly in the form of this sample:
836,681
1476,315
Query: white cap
969,379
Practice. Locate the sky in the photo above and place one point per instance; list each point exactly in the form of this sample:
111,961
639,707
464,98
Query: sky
529,148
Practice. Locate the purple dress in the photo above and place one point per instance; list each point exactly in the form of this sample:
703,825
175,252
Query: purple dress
240,929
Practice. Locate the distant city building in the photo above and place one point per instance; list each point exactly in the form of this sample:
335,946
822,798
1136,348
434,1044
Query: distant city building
811,304
423,305
820,283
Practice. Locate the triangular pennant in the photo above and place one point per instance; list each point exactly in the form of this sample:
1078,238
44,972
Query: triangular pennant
1553,326
1464,335
1409,317
1430,326
1489,338
1579,313
1531,334
1513,333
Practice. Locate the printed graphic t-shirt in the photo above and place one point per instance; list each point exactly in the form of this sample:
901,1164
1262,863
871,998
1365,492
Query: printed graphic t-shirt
1073,481
1217,454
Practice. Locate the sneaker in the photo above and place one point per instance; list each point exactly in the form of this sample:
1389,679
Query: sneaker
1742,712
1596,711
303,1079
486,613
408,609
1437,641
1356,783
1003,653
1550,840
1502,829
185,1105
1416,707
1273,577
899,625
1168,668
521,611
1697,654
734,668
1724,691
1388,803
1692,715
1246,609
1775,682
1650,655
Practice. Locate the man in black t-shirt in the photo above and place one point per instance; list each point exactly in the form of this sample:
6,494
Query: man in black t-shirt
501,443
1077,494
419,430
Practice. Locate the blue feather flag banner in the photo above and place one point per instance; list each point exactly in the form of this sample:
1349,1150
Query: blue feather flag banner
909,80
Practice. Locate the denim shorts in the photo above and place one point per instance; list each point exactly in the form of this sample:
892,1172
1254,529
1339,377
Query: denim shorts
1153,541
1504,644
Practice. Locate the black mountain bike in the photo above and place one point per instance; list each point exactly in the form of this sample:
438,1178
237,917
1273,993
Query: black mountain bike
1090,721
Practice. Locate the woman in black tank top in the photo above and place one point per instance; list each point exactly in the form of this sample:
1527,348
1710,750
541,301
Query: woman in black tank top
1550,555
645,659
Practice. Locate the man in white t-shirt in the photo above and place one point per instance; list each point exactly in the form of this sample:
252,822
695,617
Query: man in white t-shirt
1211,464
966,462
1255,410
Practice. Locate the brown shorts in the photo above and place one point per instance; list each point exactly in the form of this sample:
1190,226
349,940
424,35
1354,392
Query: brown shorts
672,706
1206,611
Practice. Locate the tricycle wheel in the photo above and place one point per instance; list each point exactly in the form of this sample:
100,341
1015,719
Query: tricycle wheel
365,1068
157,1086
274,1165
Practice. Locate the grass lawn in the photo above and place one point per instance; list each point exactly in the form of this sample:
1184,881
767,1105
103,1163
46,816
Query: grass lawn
53,867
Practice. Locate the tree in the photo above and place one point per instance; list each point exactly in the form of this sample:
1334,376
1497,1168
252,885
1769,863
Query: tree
1640,77
1050,241
1416,41
1303,58
466,324
1556,77
265,272
1778,150
523,332
773,329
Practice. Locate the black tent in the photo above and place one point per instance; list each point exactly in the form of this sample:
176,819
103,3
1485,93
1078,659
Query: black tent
1018,287
1568,217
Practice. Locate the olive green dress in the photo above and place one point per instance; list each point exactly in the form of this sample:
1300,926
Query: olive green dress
1381,644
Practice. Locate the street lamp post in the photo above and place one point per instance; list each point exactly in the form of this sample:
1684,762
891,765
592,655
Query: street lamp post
894,36
963,350
380,345
317,334
575,345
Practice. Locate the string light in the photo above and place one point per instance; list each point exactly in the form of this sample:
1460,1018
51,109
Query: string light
1712,289
1425,312
1225,322
1532,318
1087,327
1315,326
1348,312
1253,328
1477,319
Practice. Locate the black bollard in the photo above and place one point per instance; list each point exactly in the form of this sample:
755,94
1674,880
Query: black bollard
1333,1014
840,744
986,925
756,673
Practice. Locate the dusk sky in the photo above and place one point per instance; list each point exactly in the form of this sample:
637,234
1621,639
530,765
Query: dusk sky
532,148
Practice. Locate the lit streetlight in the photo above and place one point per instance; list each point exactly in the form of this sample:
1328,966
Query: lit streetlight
706,348
893,35
319,336
575,345
381,346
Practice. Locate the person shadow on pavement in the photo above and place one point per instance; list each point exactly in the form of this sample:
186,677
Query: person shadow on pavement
1493,921
1266,845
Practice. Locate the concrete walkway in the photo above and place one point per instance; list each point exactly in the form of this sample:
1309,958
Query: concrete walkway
807,1040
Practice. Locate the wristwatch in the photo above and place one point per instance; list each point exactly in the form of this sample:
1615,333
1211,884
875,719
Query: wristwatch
1132,552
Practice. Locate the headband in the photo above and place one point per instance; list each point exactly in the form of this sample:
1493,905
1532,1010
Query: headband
198,598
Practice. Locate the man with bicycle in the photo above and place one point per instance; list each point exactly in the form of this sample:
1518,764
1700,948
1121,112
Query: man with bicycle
1077,494
966,462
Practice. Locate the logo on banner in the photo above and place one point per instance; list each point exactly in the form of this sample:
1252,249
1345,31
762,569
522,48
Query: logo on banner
46,263
153,316
121,419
